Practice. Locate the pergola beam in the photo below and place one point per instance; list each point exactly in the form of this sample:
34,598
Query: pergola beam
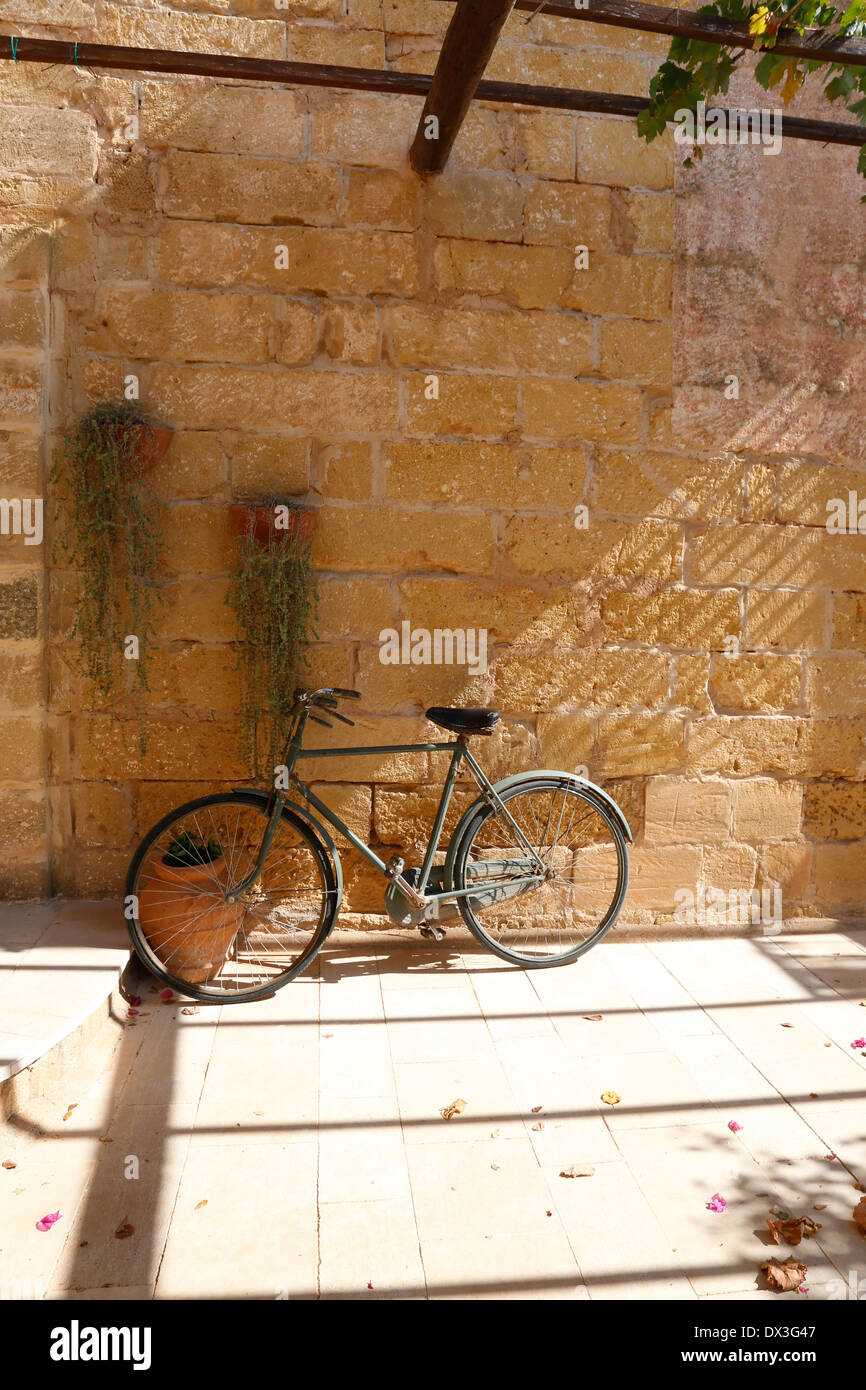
67,53
732,33
469,41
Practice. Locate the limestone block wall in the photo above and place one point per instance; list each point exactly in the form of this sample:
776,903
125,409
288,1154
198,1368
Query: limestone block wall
431,366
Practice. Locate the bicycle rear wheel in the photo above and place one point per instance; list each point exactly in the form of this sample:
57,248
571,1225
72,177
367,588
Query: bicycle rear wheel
182,922
550,916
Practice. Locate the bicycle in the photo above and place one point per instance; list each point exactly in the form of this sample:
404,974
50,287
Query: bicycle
231,896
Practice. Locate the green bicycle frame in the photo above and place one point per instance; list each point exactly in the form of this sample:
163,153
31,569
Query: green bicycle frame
458,750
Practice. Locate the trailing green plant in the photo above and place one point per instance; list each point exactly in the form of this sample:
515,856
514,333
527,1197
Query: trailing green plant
115,542
274,597
185,851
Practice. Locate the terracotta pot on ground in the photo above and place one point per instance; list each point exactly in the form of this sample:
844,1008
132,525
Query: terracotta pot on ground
196,952
301,521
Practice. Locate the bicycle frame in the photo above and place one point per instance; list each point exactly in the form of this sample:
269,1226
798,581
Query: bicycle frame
458,750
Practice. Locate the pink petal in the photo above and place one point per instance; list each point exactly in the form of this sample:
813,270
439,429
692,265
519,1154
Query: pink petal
167,994
133,1013
734,1127
46,1222
717,1203
135,1001
859,1042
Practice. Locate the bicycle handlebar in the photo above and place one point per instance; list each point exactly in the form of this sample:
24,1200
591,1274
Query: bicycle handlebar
328,695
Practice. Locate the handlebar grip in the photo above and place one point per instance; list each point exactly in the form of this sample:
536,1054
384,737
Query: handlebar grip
346,694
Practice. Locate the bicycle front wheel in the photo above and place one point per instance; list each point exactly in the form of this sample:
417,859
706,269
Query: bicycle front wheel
186,923
557,887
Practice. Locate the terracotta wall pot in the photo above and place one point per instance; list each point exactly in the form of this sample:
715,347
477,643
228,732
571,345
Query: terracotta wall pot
301,521
153,445
175,896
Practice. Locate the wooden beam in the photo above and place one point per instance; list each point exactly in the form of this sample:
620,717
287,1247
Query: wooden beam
64,51
469,41
730,33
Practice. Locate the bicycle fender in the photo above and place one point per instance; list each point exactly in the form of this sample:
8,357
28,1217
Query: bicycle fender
317,828
591,790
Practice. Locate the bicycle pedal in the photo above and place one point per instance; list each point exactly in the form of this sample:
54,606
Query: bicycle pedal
433,933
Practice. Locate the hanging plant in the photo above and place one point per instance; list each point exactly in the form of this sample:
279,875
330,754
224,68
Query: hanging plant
274,598
113,540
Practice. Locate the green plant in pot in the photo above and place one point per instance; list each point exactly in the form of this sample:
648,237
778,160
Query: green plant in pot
185,851
274,598
189,924
113,539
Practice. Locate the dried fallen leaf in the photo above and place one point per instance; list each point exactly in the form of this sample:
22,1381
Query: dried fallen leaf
858,1187
124,1230
611,1098
787,1025
455,1108
782,1276
104,1139
593,1018
793,1230
495,1133
540,1125
813,1095
536,1108
576,1171
199,1205
9,1163
193,1010
819,1206
859,1214
495,1167
69,1110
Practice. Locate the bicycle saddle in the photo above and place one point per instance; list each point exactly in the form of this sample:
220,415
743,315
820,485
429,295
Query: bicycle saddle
464,721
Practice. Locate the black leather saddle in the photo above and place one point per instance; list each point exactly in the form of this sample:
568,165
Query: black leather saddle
464,721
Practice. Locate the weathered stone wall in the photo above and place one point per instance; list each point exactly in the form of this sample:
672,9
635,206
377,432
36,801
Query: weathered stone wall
699,646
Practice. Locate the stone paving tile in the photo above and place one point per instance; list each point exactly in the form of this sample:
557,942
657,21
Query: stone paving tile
511,1007
424,1089
361,1154
656,1090
256,1235
445,1023
536,1266
542,1073
366,1244
618,1242
477,1188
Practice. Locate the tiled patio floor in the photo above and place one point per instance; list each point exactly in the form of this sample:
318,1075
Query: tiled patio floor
295,1148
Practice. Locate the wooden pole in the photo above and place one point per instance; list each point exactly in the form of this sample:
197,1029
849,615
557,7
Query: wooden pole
64,51
469,41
